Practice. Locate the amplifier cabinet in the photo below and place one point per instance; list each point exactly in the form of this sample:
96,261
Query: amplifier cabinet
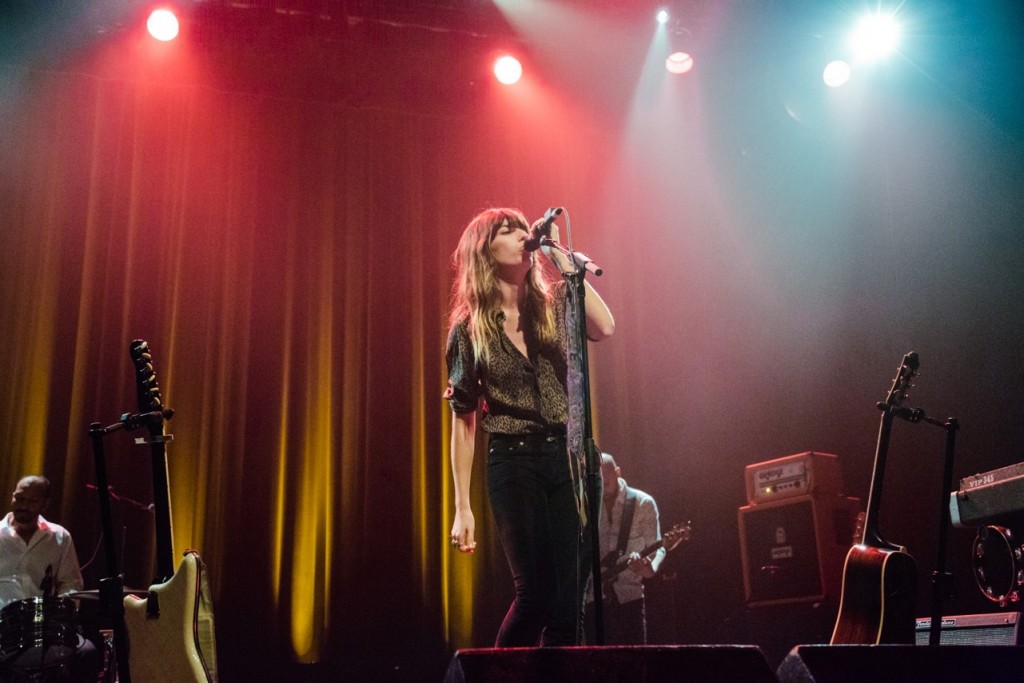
802,474
1002,628
793,549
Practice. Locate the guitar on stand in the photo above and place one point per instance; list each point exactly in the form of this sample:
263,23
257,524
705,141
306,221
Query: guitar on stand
170,631
877,604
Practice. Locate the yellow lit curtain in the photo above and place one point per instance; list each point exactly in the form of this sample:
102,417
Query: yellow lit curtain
288,263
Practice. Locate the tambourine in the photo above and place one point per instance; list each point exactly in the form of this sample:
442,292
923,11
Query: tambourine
998,564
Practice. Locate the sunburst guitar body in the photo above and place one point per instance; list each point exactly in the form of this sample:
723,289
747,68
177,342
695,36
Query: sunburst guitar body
878,603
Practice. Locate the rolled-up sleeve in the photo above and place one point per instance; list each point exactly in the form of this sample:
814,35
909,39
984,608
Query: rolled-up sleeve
463,392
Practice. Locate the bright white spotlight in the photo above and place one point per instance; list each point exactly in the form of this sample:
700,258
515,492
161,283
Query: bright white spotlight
679,63
662,16
836,73
508,70
162,25
875,37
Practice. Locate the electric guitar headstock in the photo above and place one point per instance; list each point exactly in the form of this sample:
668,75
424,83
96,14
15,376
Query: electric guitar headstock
676,535
151,404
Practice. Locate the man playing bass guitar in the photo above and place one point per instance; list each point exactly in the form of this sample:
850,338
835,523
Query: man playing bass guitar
629,523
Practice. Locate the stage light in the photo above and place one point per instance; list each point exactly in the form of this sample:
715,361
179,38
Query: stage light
875,37
662,16
508,70
679,63
677,42
836,73
162,25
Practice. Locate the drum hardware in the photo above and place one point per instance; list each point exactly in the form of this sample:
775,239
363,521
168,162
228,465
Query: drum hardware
37,634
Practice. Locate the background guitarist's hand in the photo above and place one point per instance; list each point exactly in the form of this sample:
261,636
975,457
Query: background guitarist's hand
462,531
640,565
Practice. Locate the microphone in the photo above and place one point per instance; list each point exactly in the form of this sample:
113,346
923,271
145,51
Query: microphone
542,230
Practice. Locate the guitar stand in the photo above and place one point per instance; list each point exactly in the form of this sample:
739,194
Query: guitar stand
112,587
942,580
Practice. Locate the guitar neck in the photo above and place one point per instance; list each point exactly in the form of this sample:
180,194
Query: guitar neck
615,568
872,536
651,548
151,405
162,514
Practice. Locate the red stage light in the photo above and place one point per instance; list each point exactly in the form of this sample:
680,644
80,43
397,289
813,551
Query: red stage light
162,25
508,70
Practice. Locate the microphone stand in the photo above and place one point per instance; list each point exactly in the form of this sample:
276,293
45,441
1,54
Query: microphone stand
112,587
575,280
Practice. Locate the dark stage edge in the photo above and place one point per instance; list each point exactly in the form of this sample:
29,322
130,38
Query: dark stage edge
742,664
695,663
903,663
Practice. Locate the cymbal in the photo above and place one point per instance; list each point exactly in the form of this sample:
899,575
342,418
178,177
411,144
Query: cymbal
94,594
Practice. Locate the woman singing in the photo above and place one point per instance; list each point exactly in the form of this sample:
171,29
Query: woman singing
506,344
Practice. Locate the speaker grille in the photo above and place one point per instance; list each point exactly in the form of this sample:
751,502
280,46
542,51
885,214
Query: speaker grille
793,549
974,629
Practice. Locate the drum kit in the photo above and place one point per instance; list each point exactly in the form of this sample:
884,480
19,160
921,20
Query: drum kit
40,636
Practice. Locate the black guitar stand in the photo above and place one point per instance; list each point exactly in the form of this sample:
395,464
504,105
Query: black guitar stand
575,281
112,587
942,580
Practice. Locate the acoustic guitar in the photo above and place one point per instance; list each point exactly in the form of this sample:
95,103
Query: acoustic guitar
878,601
170,631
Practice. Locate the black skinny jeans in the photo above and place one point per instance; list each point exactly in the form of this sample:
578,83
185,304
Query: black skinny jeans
531,496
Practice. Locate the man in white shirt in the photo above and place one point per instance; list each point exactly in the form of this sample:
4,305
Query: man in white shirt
38,560
623,568
32,548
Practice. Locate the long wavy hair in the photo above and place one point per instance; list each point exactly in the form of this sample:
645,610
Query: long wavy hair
476,297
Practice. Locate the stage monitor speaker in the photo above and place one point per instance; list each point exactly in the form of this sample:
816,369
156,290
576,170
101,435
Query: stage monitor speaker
974,629
903,663
613,663
793,549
